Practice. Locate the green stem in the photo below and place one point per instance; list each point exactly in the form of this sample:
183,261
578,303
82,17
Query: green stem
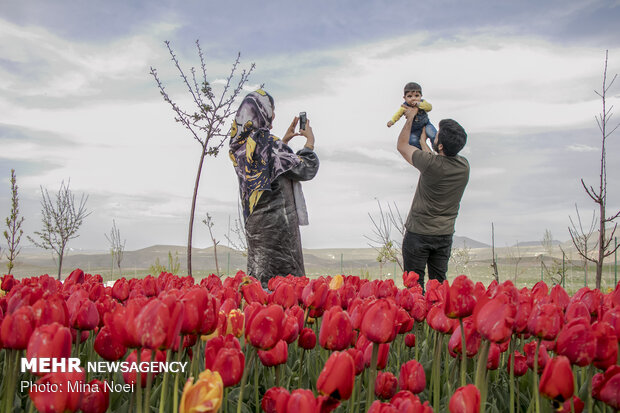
352,400
277,371
149,383
589,401
256,398
164,385
244,378
138,382
463,354
512,375
437,371
535,392
481,373
372,375
175,388
301,363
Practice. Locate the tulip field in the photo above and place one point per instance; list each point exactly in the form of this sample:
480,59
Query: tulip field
305,345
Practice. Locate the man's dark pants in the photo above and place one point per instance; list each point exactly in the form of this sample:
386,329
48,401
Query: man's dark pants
422,250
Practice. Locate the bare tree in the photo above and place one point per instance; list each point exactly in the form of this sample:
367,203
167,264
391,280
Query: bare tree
206,121
514,254
62,218
388,249
208,221
240,243
14,232
493,257
461,257
599,195
580,237
117,247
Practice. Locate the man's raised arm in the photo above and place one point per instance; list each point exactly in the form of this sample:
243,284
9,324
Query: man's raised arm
402,145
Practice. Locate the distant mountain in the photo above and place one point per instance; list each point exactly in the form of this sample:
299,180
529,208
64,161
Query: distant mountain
537,243
459,241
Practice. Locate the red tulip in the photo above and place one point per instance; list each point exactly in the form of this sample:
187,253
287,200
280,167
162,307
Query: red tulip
384,352
337,377
613,318
557,381
530,351
578,405
465,400
8,282
520,364
419,309
290,329
131,377
49,341
493,358
120,289
386,385
64,399
107,345
545,321
379,322
606,352
577,309
539,290
605,386
275,400
152,323
49,310
315,293
230,363
576,341
460,301
253,292
336,330
378,407
472,340
410,340
214,346
438,321
96,397
410,279
201,313
495,318
358,360
307,339
284,295
301,401
17,328
412,377
524,309
265,328
559,296
277,355
405,401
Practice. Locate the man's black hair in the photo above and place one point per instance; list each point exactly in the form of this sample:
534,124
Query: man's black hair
452,136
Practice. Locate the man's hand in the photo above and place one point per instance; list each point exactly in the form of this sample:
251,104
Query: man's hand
410,112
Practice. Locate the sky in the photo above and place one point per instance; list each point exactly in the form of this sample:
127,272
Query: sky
77,104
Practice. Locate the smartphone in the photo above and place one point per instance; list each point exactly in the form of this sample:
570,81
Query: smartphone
302,120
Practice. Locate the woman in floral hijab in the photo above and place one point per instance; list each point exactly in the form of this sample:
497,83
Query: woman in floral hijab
269,174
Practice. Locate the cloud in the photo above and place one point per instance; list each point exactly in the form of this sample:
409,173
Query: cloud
582,148
86,108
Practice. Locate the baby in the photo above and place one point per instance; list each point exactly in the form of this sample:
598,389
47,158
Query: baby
413,98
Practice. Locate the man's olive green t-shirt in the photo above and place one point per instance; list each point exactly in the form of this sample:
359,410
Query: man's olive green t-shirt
438,195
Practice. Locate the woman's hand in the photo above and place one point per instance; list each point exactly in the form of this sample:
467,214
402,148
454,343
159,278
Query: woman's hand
290,132
308,134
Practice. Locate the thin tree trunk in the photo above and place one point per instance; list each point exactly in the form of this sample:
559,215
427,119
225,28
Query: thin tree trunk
191,215
217,267
601,250
60,256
